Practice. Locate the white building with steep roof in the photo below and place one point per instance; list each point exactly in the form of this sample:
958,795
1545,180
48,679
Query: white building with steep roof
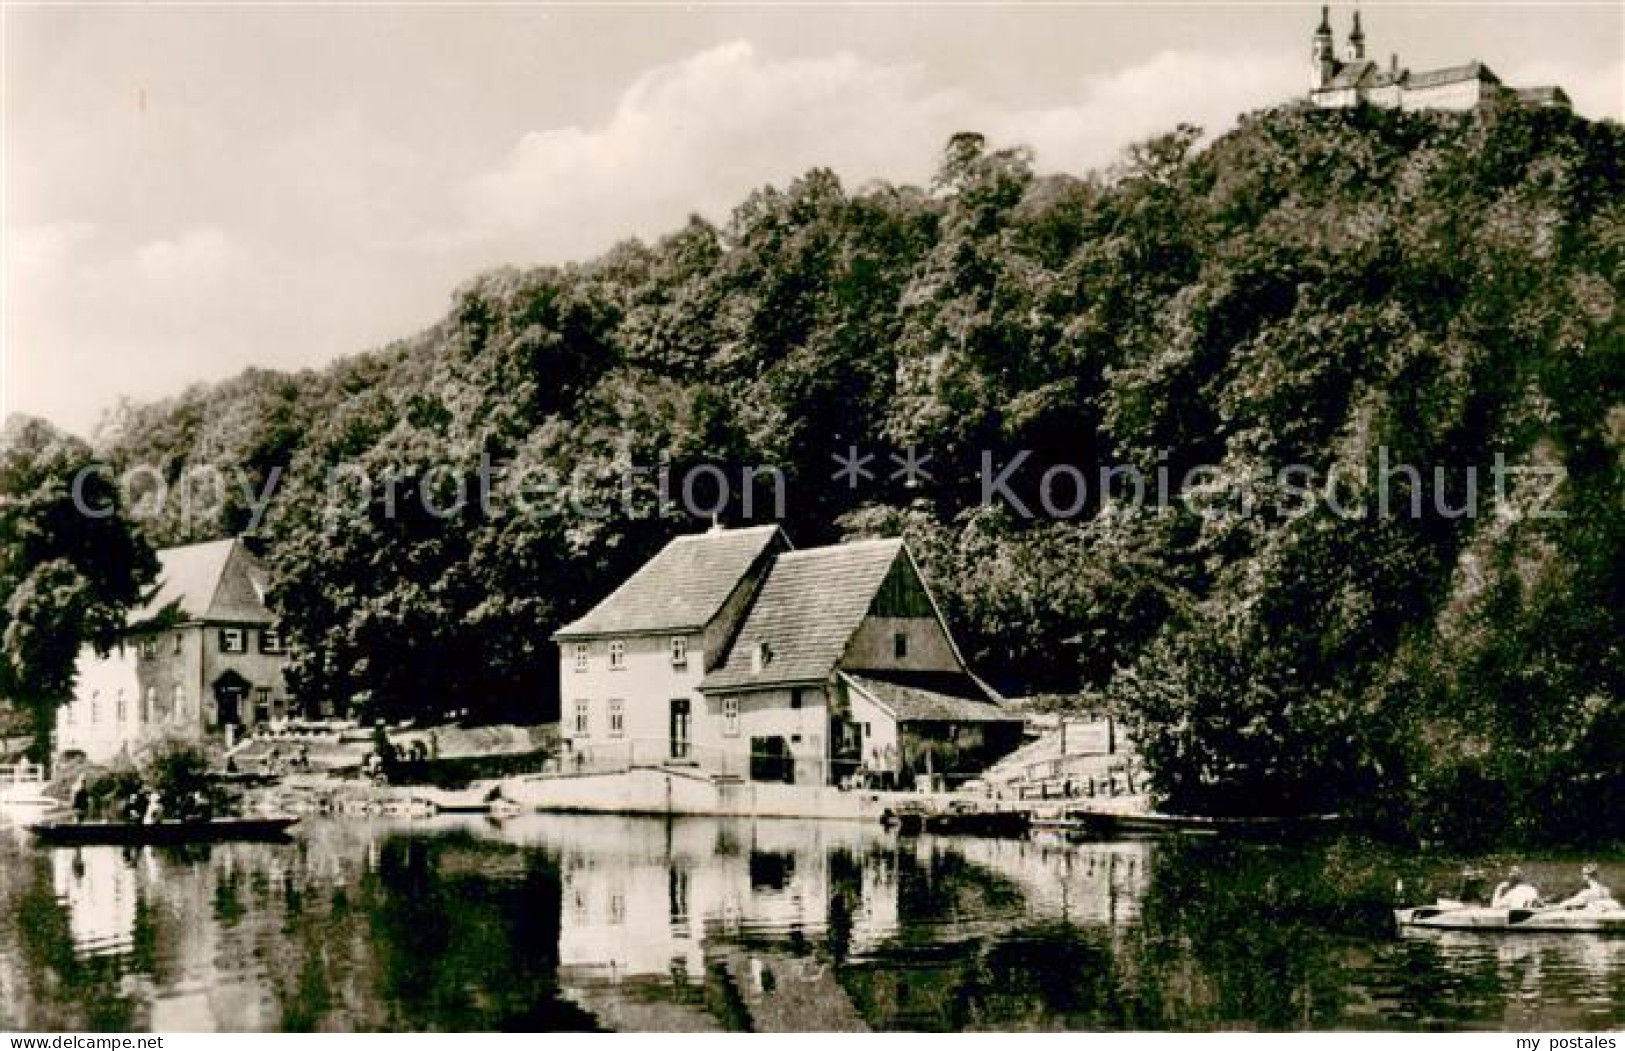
733,653
200,658
1352,79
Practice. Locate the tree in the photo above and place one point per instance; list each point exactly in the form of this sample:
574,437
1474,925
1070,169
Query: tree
70,566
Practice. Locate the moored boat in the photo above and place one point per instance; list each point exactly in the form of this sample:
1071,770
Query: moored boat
1084,821
71,833
1458,917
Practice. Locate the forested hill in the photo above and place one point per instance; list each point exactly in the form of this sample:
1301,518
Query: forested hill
1333,290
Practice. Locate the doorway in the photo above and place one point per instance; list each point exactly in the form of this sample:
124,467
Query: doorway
680,717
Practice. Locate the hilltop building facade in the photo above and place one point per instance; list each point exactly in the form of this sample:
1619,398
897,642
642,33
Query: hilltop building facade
732,653
201,659
1352,79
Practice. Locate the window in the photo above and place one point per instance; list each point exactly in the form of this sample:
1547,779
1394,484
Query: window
149,646
583,652
271,641
761,655
120,710
899,643
617,718
679,652
232,640
177,642
795,697
581,718
177,702
617,656
262,705
150,708
730,716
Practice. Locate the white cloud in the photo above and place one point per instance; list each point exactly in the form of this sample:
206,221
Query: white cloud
1123,106
178,266
699,134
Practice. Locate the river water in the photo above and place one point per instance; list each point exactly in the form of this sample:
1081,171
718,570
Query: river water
583,922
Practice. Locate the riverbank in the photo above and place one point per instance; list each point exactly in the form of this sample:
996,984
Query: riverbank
663,791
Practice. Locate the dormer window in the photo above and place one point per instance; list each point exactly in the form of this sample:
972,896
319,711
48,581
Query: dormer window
679,651
233,640
617,656
761,655
583,655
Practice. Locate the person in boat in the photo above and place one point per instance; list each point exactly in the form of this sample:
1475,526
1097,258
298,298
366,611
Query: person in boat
197,808
79,799
1515,892
1594,896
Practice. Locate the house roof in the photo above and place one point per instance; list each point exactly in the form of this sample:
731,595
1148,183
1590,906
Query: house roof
214,581
1545,96
1450,75
806,612
680,589
930,697
1352,73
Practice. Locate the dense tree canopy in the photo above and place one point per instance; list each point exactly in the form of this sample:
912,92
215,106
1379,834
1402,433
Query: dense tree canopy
71,565
1348,294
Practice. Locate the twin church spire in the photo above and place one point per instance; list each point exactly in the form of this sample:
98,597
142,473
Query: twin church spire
1323,56
1350,79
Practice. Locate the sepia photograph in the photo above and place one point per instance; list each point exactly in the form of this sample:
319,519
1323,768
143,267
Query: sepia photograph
806,517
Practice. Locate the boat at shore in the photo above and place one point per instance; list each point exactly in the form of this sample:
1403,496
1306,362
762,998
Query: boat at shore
161,833
1083,821
1459,917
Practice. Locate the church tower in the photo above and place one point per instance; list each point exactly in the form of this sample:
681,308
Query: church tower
1322,63
1356,48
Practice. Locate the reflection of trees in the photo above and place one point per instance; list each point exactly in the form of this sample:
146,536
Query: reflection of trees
459,948
969,953
1280,938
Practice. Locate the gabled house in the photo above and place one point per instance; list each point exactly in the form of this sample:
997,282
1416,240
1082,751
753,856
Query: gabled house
816,665
630,670
200,659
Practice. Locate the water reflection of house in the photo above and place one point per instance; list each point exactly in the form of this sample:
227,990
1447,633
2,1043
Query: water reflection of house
184,910
99,888
733,653
653,913
639,897
202,657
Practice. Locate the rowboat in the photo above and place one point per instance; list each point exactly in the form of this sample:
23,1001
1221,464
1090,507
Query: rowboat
1454,917
69,833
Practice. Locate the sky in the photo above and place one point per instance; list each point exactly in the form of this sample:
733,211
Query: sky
190,190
